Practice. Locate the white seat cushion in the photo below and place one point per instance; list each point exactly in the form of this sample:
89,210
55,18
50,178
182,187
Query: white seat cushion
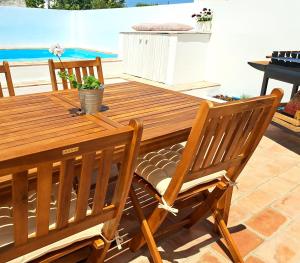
88,233
157,168
6,226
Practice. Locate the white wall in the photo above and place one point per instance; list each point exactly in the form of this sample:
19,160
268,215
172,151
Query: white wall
100,28
242,31
249,30
33,27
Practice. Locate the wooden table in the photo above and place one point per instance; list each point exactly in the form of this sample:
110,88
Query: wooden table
271,71
42,121
167,115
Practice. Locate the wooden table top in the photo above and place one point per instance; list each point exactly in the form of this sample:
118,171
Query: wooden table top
46,120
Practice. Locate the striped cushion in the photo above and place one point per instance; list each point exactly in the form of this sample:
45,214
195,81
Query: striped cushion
157,168
6,226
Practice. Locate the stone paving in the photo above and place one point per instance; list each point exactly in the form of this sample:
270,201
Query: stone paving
264,218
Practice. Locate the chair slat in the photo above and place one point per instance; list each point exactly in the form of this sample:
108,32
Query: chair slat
20,207
256,131
78,74
91,71
84,185
102,180
70,72
220,130
10,87
64,81
64,193
255,118
237,135
1,92
227,137
44,187
9,82
52,74
84,71
209,132
99,70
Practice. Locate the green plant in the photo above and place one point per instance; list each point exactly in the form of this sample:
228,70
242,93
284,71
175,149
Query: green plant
89,82
204,16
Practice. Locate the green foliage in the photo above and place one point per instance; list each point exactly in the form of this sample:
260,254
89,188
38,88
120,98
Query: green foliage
140,4
87,4
35,3
89,82
71,4
101,4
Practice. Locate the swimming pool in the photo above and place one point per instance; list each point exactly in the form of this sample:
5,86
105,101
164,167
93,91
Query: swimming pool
43,54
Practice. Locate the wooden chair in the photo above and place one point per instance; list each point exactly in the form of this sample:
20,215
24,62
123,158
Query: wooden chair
54,221
5,69
221,141
79,68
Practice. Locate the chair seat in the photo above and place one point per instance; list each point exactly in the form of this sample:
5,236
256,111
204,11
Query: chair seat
6,226
157,168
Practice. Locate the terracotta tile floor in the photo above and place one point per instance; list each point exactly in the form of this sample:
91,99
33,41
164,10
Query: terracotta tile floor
265,217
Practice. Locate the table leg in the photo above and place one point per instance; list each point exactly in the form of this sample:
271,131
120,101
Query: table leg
294,90
264,85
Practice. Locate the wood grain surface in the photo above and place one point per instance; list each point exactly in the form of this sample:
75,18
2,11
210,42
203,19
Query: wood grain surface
31,123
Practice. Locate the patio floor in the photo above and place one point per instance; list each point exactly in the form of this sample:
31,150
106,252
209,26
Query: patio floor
264,219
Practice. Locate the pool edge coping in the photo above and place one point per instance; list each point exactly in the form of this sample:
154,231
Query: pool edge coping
43,63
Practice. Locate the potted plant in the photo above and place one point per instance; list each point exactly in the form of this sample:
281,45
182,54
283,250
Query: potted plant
90,91
204,20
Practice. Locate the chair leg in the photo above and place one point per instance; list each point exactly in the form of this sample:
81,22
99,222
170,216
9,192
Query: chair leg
232,247
223,206
227,204
204,209
103,253
146,231
98,254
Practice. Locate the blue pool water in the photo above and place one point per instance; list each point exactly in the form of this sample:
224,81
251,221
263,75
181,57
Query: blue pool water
44,54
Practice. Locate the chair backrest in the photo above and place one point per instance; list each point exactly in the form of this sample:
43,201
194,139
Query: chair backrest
5,69
94,152
79,68
224,137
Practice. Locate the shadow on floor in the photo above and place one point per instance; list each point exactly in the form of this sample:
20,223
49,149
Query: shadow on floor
284,137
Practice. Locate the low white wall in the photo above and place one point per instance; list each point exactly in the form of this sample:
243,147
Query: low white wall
242,31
